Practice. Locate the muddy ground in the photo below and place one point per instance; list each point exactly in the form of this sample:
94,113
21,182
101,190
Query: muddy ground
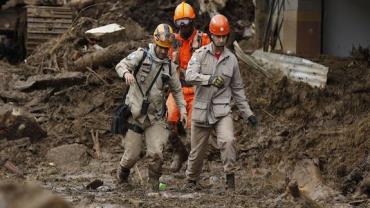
330,126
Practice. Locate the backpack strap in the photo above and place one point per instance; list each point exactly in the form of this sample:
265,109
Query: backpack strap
154,80
170,68
151,84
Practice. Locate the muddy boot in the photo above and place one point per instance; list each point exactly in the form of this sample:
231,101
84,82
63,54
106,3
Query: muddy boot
180,152
230,182
122,174
180,156
154,181
190,186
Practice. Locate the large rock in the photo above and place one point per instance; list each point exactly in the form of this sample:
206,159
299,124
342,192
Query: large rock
107,35
16,123
69,157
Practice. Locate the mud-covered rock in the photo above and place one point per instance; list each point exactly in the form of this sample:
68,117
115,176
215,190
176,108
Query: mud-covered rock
69,157
16,123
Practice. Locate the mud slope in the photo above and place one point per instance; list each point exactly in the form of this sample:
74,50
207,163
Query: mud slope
331,126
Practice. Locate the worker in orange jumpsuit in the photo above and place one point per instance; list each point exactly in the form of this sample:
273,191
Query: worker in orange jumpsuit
188,39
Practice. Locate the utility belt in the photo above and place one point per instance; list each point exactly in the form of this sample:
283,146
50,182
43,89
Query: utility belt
135,128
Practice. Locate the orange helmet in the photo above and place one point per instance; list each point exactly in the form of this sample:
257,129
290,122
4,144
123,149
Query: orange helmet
184,10
219,25
163,35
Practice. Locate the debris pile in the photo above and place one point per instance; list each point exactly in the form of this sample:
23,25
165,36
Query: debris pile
70,89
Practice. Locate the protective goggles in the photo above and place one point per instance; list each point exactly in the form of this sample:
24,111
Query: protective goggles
183,22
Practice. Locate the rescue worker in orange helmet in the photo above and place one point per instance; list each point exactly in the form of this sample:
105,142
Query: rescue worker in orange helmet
150,74
187,40
214,69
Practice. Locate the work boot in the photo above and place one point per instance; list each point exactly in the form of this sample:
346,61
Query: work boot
180,156
122,174
230,182
190,186
154,181
180,152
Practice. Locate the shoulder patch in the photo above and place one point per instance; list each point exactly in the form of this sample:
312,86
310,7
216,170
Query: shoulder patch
136,54
131,56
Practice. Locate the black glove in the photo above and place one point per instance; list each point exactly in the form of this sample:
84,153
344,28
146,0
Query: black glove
253,120
216,81
182,79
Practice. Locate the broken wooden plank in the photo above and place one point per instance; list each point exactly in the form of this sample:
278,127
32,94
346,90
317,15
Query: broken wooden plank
250,61
61,80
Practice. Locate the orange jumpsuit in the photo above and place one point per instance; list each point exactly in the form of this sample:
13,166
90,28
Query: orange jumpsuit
183,52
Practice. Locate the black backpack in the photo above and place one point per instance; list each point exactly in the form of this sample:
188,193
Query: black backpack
122,113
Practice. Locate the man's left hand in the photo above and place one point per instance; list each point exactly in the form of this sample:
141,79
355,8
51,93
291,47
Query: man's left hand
252,120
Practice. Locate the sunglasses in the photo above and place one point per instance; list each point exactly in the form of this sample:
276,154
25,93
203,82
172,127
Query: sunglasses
182,22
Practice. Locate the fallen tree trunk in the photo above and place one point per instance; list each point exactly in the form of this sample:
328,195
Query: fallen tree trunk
61,80
110,55
307,183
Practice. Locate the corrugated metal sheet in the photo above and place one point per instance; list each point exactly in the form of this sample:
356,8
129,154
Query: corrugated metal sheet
295,68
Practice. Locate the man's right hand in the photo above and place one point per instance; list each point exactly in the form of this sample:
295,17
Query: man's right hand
217,81
130,79
253,120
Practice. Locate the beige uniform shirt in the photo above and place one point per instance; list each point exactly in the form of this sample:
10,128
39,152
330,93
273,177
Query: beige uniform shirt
210,103
145,75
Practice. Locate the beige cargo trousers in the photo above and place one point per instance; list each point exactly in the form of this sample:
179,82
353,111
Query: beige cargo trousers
225,138
155,136
211,106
